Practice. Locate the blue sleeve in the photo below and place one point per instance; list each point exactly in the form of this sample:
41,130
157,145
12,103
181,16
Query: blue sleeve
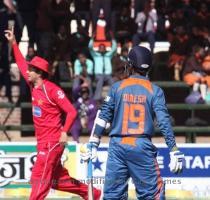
163,118
107,109
107,112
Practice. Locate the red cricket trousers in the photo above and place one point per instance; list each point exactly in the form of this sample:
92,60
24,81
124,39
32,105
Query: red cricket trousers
49,173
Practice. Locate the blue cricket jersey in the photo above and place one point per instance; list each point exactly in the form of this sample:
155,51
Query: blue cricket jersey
131,106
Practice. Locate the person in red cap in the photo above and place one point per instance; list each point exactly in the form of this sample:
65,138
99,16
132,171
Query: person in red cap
48,103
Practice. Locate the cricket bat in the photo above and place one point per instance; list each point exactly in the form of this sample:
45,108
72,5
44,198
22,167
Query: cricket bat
90,177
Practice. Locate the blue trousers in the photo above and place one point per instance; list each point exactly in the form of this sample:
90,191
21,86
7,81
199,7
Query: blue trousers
136,161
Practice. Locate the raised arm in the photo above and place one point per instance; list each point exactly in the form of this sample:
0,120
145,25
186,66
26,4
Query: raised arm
92,51
20,60
113,49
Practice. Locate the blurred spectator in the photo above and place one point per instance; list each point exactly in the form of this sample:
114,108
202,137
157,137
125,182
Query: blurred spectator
87,109
62,66
206,61
82,11
31,53
97,6
177,18
83,71
6,7
178,51
61,14
123,56
116,8
205,32
27,10
181,12
138,6
202,17
103,66
206,67
62,44
146,26
79,42
3,20
196,37
44,25
163,22
200,36
119,62
194,74
5,79
125,26
189,10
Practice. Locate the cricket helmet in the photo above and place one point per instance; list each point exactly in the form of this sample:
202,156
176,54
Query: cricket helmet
140,57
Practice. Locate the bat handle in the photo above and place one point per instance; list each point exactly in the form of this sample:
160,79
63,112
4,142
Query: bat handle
90,170
90,176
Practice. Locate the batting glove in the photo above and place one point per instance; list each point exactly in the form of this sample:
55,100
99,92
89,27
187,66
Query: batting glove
85,153
94,143
89,150
176,161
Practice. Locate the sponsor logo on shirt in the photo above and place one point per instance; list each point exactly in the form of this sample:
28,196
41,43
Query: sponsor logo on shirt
60,94
37,112
40,102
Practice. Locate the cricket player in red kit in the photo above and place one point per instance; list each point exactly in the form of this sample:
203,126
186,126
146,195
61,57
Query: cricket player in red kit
48,102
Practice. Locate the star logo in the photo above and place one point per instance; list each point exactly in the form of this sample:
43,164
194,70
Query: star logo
97,164
40,102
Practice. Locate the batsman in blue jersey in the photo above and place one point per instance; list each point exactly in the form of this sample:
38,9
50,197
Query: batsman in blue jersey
131,106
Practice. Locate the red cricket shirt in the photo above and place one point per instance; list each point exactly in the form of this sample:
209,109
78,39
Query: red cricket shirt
48,103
